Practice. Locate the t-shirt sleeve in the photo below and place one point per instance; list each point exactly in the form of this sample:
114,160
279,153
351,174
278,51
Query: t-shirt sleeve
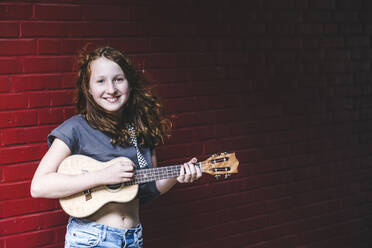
67,133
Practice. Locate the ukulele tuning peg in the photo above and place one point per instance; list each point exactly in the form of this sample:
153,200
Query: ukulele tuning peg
218,177
227,175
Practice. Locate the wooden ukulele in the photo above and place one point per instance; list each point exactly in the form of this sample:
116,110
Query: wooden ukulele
88,202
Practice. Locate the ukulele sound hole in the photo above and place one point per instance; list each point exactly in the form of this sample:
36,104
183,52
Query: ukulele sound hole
113,186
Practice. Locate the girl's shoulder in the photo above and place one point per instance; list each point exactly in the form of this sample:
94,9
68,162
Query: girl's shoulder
74,121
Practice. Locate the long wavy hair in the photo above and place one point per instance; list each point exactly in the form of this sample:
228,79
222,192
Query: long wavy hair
142,110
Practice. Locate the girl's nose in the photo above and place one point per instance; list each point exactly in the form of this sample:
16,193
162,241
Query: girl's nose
110,87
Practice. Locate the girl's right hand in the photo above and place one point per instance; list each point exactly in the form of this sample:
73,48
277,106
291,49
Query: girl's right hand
118,172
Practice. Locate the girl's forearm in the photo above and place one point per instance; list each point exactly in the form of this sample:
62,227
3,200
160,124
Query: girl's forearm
55,185
165,185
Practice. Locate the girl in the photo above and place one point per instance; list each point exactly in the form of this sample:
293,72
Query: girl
111,102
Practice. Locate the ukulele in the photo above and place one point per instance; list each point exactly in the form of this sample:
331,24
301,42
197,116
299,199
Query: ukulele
88,202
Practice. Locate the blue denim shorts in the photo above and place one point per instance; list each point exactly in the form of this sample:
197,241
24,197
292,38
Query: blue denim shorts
84,233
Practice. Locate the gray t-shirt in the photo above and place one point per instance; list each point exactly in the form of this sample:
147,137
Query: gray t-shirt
82,139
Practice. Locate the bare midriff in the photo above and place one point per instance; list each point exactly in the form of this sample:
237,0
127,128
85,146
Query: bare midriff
119,215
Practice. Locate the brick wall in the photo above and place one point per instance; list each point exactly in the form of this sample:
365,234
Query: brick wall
284,83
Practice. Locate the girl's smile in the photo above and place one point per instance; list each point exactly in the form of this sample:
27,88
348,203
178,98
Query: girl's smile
108,84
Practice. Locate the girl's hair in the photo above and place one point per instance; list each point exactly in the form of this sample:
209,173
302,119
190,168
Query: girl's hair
142,110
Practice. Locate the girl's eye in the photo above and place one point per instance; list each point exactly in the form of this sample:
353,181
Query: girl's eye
100,81
119,79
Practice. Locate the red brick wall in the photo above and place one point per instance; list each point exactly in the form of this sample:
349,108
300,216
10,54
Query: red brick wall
284,83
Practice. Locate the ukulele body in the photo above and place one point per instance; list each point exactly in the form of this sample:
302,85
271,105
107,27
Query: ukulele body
88,202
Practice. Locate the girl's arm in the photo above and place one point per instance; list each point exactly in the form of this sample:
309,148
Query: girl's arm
188,174
47,183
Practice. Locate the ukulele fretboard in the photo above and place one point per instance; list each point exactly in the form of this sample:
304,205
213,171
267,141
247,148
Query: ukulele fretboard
152,174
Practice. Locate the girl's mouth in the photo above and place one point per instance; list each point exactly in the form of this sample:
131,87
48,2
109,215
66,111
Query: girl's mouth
112,99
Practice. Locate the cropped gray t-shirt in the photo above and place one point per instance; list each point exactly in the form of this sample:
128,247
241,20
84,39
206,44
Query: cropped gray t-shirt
82,139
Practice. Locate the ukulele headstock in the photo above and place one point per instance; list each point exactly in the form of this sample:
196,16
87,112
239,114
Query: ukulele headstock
221,165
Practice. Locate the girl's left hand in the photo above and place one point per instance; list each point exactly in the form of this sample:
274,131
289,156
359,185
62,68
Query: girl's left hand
189,172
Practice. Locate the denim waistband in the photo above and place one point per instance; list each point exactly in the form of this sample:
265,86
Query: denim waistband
89,223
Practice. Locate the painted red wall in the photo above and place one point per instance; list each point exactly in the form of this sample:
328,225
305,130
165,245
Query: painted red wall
284,83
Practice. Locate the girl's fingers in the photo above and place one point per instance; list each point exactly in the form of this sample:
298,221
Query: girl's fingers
189,172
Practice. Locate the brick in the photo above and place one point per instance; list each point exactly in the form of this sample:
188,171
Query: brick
103,29
18,207
62,98
17,47
9,29
358,41
34,239
332,42
346,16
50,116
317,16
69,80
18,154
48,46
74,45
44,29
68,112
349,28
337,54
15,190
189,119
9,65
186,89
159,29
349,4
331,29
252,29
107,12
56,218
18,172
291,16
12,101
39,99
168,75
58,12
5,85
17,118
47,64
203,133
129,45
310,29
322,4
178,151
36,82
287,4
237,129
178,105
126,45
20,224
168,44
15,11
179,136
13,136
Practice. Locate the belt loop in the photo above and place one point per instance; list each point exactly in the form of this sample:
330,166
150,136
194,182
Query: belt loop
124,243
103,232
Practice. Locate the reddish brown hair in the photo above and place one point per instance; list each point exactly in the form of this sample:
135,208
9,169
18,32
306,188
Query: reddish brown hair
142,110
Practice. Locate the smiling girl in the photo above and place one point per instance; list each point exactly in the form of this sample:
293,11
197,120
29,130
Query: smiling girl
111,101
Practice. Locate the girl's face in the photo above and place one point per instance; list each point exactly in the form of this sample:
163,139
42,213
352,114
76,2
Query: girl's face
108,85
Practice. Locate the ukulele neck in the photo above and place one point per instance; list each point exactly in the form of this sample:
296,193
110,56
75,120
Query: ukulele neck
153,174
